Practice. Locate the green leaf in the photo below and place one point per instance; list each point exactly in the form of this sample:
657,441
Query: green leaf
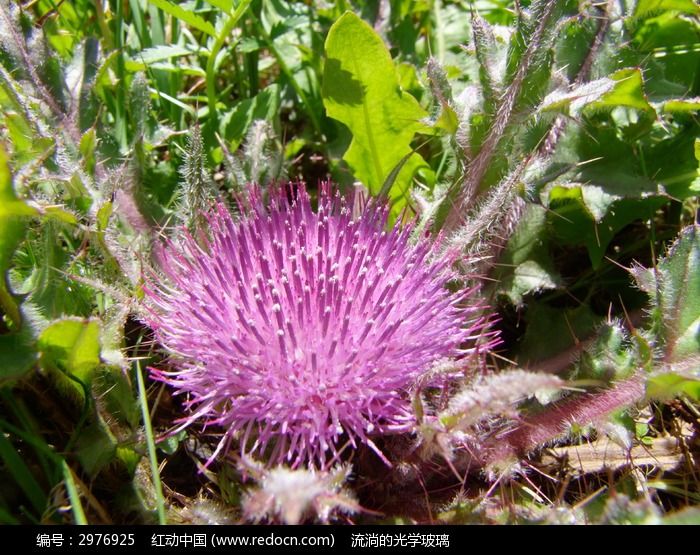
188,16
27,144
13,214
572,102
525,266
149,56
88,144
96,447
117,394
588,215
235,124
73,346
551,332
170,444
672,40
649,7
628,91
610,357
361,90
223,5
681,105
674,290
18,355
59,214
667,386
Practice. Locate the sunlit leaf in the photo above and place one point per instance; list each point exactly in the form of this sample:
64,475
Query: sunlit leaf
574,100
183,14
628,91
361,89
667,386
73,346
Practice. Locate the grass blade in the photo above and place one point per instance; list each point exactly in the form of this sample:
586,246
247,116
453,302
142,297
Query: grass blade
22,475
191,18
150,442
73,495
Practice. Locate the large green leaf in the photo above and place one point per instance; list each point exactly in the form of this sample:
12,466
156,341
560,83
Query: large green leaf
588,215
361,90
674,289
552,335
644,8
73,346
13,221
571,102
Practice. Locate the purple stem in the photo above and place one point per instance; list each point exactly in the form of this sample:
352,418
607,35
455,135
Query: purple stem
538,430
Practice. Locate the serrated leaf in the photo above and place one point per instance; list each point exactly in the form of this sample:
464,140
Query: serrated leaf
628,91
674,291
361,90
187,16
73,346
572,102
588,215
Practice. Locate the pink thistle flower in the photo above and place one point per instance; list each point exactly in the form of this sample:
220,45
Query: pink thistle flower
301,333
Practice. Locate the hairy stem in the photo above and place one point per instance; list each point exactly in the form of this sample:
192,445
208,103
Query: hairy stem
538,430
557,128
479,165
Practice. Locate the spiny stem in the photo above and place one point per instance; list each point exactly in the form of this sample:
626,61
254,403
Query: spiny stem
27,62
538,430
479,165
560,122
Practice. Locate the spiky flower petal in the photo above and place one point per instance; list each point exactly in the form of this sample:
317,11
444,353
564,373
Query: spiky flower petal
302,332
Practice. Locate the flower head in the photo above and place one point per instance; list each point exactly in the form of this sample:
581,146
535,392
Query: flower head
301,333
